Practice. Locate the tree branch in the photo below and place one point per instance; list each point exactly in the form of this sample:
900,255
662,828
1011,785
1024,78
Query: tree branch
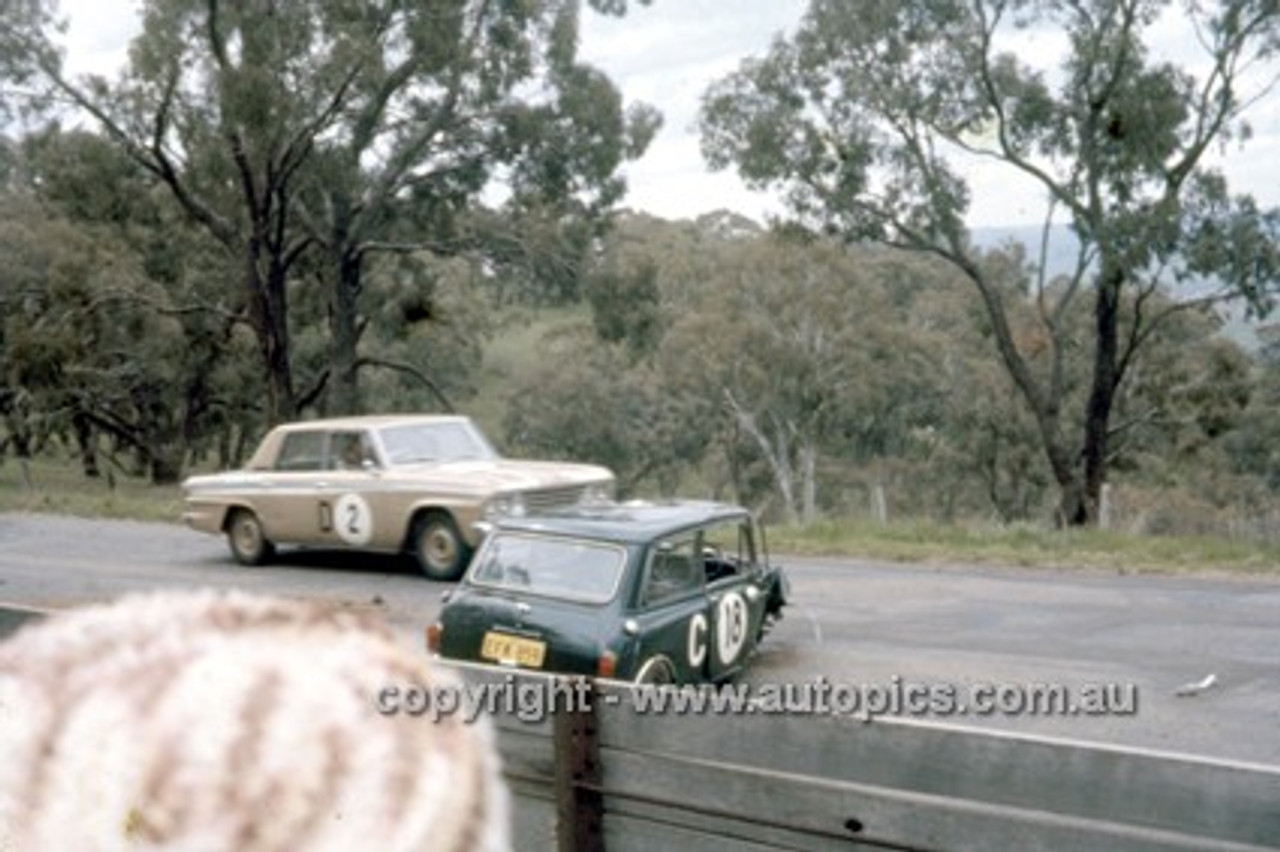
408,369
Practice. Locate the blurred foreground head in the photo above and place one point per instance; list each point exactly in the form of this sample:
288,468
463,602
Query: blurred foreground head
226,722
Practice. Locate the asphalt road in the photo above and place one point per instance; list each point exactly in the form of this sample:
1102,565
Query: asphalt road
868,628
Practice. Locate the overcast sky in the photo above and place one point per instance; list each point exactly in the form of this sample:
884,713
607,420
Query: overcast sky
667,53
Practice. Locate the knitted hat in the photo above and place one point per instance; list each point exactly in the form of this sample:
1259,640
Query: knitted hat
214,721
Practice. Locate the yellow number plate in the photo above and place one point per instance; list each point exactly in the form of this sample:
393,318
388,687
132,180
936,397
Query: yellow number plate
502,648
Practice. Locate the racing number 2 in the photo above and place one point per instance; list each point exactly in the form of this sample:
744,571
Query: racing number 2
353,520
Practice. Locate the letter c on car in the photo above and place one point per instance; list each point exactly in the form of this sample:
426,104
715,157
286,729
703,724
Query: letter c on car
697,640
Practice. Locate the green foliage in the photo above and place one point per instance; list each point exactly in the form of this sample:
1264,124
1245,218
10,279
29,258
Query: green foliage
378,207
107,329
626,308
25,28
310,138
587,401
1253,447
881,361
860,116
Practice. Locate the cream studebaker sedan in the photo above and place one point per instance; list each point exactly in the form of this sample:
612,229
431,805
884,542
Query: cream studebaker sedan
421,484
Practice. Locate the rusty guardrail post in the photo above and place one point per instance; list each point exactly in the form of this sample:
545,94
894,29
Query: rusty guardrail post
579,803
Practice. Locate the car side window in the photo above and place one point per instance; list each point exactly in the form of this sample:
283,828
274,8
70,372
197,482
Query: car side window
673,571
747,546
349,451
727,550
301,451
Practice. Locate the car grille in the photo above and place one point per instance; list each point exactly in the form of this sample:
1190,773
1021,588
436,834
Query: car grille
553,498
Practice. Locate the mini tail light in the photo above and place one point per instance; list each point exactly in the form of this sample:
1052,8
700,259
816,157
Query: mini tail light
434,633
607,665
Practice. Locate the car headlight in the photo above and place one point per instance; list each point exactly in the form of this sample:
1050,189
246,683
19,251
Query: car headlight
504,506
600,492
495,508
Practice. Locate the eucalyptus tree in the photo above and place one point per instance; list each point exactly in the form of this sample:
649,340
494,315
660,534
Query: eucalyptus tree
1253,448
792,342
289,127
589,399
451,103
25,27
113,325
869,113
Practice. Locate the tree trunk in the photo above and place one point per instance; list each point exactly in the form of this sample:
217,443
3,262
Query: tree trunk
166,465
1045,403
1097,424
241,451
86,440
808,481
268,315
782,471
224,444
777,452
344,327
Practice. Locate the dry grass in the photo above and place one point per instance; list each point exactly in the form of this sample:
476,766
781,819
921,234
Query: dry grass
1030,546
59,487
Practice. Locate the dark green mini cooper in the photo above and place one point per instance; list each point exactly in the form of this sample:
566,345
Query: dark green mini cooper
652,592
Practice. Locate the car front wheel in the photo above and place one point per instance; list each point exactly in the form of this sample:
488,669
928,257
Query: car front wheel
438,547
248,541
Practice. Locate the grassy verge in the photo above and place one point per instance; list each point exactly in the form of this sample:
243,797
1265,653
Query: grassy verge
59,487
1028,546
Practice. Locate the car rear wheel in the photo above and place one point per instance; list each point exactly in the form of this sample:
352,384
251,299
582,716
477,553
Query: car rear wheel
248,541
438,547
656,671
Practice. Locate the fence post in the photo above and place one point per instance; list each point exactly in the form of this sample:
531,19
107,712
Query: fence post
879,505
579,803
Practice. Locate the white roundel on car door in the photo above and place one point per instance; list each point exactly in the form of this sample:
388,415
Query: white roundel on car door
731,626
353,519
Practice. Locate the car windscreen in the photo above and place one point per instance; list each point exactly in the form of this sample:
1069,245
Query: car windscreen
551,566
414,443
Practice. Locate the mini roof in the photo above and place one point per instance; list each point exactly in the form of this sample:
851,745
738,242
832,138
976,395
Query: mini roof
633,522
365,421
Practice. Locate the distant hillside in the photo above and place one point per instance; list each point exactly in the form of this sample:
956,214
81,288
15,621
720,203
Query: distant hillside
1062,247
1061,259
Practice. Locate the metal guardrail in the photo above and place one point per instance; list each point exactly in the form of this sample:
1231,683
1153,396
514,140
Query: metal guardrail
753,782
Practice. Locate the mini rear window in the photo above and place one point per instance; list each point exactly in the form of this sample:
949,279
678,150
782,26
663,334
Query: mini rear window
552,566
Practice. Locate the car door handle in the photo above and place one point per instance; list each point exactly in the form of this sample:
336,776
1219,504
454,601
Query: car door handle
322,485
